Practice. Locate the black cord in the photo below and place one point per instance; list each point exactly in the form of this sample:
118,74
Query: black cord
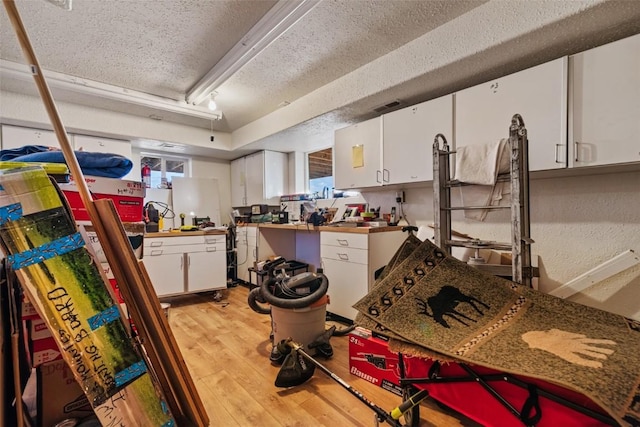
402,213
166,210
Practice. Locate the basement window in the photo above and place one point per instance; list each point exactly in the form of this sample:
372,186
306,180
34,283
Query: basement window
320,168
164,168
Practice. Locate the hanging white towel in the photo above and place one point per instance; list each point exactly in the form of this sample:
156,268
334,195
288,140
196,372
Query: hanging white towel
481,165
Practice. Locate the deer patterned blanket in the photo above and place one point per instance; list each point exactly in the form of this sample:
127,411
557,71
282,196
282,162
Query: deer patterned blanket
435,301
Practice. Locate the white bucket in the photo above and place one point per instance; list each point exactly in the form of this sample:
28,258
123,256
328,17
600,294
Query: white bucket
303,325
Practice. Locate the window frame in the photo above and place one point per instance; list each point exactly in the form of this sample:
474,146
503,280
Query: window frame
163,164
307,170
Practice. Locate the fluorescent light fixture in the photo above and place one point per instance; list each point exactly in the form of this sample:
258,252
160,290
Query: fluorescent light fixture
272,25
9,69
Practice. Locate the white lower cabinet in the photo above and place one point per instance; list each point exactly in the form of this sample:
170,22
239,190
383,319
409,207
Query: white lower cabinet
350,261
181,264
246,251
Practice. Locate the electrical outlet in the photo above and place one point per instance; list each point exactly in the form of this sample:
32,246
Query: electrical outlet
399,196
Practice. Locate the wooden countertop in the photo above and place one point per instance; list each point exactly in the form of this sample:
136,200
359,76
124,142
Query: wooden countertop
184,233
309,227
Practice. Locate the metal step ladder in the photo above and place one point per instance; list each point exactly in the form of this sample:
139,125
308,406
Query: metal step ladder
521,270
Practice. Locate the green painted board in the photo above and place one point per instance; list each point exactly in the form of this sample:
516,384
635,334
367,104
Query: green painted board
70,291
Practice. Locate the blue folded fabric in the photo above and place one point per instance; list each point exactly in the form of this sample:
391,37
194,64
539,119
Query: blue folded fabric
12,153
107,165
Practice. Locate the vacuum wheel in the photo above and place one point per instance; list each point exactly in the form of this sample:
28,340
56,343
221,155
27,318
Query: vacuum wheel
412,416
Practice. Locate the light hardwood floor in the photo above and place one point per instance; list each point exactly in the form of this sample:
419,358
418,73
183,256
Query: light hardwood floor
226,347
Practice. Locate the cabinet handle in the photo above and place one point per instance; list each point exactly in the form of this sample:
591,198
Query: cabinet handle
181,263
188,260
156,252
378,177
343,257
211,249
556,153
575,151
156,243
343,242
387,172
414,176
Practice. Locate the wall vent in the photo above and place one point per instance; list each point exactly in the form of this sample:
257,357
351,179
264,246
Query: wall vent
385,107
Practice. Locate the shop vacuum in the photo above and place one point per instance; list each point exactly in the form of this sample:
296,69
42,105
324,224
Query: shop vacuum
297,305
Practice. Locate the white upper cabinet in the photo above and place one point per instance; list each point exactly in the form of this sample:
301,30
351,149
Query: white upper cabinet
16,137
93,144
276,175
358,155
408,136
539,94
238,179
605,101
255,178
259,178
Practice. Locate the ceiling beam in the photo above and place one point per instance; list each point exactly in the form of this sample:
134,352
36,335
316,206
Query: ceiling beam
23,72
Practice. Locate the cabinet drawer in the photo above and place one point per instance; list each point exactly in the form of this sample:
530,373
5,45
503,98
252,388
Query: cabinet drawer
344,240
218,247
345,254
165,250
215,239
156,242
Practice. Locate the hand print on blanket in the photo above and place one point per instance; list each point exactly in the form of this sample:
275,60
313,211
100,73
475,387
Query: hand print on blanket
445,303
569,346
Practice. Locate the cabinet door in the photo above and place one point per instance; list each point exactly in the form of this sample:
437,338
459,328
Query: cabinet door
606,104
238,183
347,285
105,145
358,155
166,271
243,252
408,136
275,176
207,270
254,170
16,137
539,94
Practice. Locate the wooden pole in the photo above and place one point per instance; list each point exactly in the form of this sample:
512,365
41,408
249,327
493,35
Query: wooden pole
175,379
49,104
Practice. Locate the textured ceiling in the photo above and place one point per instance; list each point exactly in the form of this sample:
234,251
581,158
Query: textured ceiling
337,64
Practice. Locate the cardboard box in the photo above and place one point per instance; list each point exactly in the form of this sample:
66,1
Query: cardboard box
127,196
28,309
38,330
371,360
44,350
59,395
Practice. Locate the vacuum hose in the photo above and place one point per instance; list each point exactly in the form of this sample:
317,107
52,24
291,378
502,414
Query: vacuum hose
274,286
299,291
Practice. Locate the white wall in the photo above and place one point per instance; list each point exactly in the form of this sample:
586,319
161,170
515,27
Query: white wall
577,222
